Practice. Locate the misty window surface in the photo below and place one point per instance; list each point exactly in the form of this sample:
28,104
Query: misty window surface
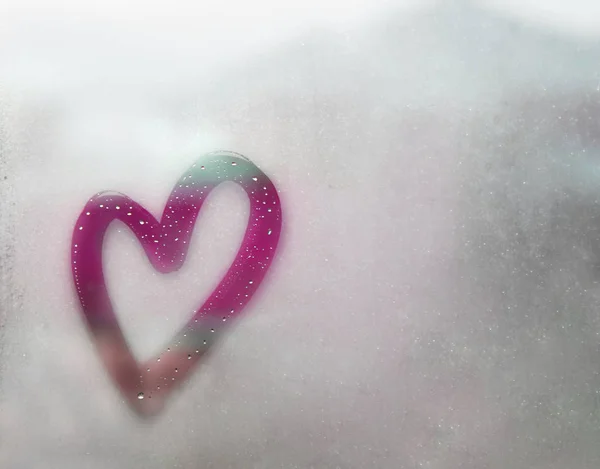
434,298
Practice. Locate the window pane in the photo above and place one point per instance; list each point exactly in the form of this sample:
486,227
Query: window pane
433,299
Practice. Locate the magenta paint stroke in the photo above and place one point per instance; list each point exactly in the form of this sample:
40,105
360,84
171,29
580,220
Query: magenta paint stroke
166,242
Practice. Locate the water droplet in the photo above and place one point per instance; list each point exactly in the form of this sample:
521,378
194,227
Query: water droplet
141,395
255,179
80,228
251,282
224,319
189,356
158,359
87,213
176,370
202,167
269,232
212,330
141,222
168,350
118,208
233,163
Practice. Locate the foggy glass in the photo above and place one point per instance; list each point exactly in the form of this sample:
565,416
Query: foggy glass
434,299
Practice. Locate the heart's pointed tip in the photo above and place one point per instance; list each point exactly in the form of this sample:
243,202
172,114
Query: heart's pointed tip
148,409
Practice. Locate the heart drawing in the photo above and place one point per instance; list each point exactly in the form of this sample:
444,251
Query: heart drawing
146,386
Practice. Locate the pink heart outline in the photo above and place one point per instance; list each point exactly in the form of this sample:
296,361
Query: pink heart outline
166,245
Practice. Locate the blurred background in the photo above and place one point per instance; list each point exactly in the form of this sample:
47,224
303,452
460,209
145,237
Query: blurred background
434,302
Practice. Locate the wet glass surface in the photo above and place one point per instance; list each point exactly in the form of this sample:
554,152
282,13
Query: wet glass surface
434,298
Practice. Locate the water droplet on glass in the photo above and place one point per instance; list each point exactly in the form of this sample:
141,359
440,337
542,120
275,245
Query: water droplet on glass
233,163
141,222
255,179
189,356
141,395
269,232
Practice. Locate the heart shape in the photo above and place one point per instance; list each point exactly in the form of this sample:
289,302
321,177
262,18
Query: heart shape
145,387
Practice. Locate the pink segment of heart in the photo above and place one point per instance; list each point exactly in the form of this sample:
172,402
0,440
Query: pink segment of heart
166,244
